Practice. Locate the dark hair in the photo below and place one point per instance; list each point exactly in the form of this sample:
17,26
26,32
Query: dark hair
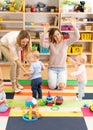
51,33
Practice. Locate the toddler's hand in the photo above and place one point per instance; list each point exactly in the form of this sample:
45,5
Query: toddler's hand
26,75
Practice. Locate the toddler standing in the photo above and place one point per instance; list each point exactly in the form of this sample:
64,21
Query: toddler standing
35,73
80,73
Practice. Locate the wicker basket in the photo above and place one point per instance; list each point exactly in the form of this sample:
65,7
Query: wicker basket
88,28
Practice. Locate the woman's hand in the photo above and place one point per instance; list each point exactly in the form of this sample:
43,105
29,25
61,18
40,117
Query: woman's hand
46,28
73,21
28,73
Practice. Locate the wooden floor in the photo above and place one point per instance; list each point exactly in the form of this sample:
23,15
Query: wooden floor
6,72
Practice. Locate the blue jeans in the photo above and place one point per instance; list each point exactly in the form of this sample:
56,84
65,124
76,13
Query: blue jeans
56,76
36,87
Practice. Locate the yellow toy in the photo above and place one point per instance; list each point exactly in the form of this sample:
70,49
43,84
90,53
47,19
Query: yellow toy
31,115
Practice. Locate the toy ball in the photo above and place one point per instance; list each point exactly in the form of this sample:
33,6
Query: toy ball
85,105
91,107
30,101
42,102
58,100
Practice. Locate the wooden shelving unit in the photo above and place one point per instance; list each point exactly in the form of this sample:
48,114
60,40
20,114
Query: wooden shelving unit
86,35
35,21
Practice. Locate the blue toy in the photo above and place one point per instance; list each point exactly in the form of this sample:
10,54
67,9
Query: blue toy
31,116
85,105
30,101
49,100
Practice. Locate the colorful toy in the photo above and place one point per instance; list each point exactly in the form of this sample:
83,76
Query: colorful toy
41,102
30,101
31,116
41,5
49,100
85,105
80,7
54,108
91,107
58,100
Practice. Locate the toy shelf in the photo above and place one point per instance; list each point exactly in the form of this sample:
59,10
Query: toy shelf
34,21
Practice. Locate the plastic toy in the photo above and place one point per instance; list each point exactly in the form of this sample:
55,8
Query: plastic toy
55,108
58,100
65,35
30,101
80,7
31,116
49,100
91,107
85,105
41,5
41,102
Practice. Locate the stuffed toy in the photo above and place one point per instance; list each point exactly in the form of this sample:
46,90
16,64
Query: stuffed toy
79,7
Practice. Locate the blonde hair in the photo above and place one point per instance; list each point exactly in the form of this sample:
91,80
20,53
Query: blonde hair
33,54
82,58
24,34
36,54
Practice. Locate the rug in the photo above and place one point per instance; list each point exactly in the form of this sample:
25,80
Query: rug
71,114
48,123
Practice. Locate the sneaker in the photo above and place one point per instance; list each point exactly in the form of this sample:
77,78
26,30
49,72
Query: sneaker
17,90
83,95
78,99
20,86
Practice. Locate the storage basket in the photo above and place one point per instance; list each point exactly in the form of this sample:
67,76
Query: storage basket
77,48
69,49
88,28
86,36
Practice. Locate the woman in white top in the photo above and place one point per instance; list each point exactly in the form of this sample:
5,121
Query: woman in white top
10,45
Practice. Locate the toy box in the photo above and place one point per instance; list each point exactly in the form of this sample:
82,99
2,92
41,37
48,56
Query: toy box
86,36
69,49
77,48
